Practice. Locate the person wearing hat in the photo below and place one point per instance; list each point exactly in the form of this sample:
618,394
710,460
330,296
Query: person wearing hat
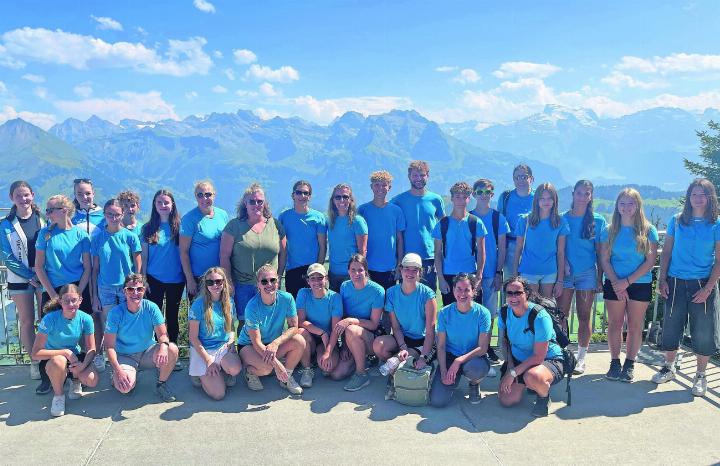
413,312
319,310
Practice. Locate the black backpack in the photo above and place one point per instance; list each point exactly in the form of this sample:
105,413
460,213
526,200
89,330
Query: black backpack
472,223
561,334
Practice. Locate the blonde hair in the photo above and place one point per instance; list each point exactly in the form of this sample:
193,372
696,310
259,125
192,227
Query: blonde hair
204,184
249,191
332,210
641,226
380,176
461,187
129,196
534,217
64,202
224,300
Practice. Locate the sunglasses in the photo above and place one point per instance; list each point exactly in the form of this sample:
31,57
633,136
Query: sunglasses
514,293
267,281
255,201
82,180
341,197
50,210
522,177
217,282
480,192
205,195
134,289
302,193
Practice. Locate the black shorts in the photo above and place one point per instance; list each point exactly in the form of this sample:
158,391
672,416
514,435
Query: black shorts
85,305
317,339
554,365
414,342
384,279
295,279
636,292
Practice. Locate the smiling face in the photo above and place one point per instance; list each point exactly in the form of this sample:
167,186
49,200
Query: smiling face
341,200
460,200
546,201
130,208
522,179
55,211
463,292
70,303
22,197
113,216
380,189
483,194
214,282
267,283
515,295
85,195
698,201
418,178
582,196
205,197
163,205
358,274
317,282
255,203
134,293
410,274
627,207
301,196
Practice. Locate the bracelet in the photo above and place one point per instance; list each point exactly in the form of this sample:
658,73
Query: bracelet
165,343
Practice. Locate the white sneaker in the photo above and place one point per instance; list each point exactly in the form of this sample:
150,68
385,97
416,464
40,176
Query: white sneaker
99,363
492,372
579,367
35,370
75,391
58,405
292,386
306,379
699,385
665,375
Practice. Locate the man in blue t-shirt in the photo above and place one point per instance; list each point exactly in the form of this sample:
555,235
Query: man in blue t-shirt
513,204
422,210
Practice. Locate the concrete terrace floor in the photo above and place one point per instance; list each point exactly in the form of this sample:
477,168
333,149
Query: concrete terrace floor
608,423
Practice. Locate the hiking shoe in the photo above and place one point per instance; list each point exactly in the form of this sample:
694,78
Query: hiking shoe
579,367
665,375
474,394
306,377
57,408
492,355
178,366
357,382
699,385
195,380
164,392
542,406
615,370
35,370
371,361
291,385
99,362
628,373
492,372
44,387
253,382
75,391
230,380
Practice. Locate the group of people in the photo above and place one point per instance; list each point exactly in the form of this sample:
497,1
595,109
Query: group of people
376,301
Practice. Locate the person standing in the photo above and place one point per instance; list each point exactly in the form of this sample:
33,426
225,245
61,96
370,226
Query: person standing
88,215
513,204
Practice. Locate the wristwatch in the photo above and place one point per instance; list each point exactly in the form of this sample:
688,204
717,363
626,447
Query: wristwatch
513,372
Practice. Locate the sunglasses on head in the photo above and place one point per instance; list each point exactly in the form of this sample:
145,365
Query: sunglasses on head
216,282
301,193
267,281
341,197
514,293
134,289
205,195
480,192
255,201
82,180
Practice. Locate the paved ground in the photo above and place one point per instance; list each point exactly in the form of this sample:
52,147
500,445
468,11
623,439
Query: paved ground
608,422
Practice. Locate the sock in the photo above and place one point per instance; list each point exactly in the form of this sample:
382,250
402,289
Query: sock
160,382
617,360
629,363
581,352
700,374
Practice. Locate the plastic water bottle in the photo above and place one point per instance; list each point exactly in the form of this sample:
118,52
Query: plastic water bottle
389,366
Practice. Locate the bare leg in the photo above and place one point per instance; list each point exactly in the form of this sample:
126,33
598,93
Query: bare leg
616,318
636,322
25,305
56,369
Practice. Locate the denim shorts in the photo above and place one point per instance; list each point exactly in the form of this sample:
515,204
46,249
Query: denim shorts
243,295
111,295
20,289
586,280
704,332
490,296
546,279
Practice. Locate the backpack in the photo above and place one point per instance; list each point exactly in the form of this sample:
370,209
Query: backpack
412,386
472,223
495,225
504,197
561,334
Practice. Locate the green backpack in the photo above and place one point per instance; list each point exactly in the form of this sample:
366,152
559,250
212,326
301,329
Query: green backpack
412,386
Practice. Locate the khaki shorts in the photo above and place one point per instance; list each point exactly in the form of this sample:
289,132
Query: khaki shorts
138,361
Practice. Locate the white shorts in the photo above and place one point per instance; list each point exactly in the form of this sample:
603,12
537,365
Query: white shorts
197,363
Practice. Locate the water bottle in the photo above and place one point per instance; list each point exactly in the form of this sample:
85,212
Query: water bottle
389,366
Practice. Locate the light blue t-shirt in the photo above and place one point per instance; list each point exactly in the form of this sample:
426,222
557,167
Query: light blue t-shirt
581,253
462,330
134,331
215,338
693,253
269,320
320,311
421,214
63,253
458,254
624,257
523,342
137,229
114,252
491,251
409,309
163,261
516,206
342,242
65,333
301,231
360,303
539,255
383,224
205,233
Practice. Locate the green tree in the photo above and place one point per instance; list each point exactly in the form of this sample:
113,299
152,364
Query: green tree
709,166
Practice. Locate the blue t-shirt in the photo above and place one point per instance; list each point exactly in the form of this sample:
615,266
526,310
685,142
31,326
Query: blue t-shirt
134,331
581,253
342,242
301,231
320,311
270,320
539,255
516,206
115,252
693,253
383,224
421,214
462,330
624,257
409,309
205,233
218,336
458,253
65,333
360,303
163,261
523,342
63,254
491,252
137,229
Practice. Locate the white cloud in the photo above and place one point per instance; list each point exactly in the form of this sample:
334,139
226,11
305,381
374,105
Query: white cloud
446,69
83,90
42,120
217,54
204,6
244,93
126,104
244,56
268,90
3,88
8,61
41,92
33,78
218,89
467,76
325,110
674,63
105,23
182,57
191,95
141,31
513,69
618,79
230,74
284,74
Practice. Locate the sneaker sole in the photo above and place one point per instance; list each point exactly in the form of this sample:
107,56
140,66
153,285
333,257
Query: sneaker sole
475,402
698,394
625,380
354,389
614,379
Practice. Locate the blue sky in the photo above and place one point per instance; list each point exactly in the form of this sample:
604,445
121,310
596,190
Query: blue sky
452,60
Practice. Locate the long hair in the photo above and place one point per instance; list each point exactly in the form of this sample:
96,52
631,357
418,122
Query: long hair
150,231
66,203
224,300
711,211
587,230
13,210
641,226
77,182
54,303
332,210
531,295
242,208
534,217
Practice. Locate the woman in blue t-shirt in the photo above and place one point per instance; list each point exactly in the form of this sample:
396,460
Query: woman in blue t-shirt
629,251
87,215
534,358
347,233
57,347
689,272
540,249
213,357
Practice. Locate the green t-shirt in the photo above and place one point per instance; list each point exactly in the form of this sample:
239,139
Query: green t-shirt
253,250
